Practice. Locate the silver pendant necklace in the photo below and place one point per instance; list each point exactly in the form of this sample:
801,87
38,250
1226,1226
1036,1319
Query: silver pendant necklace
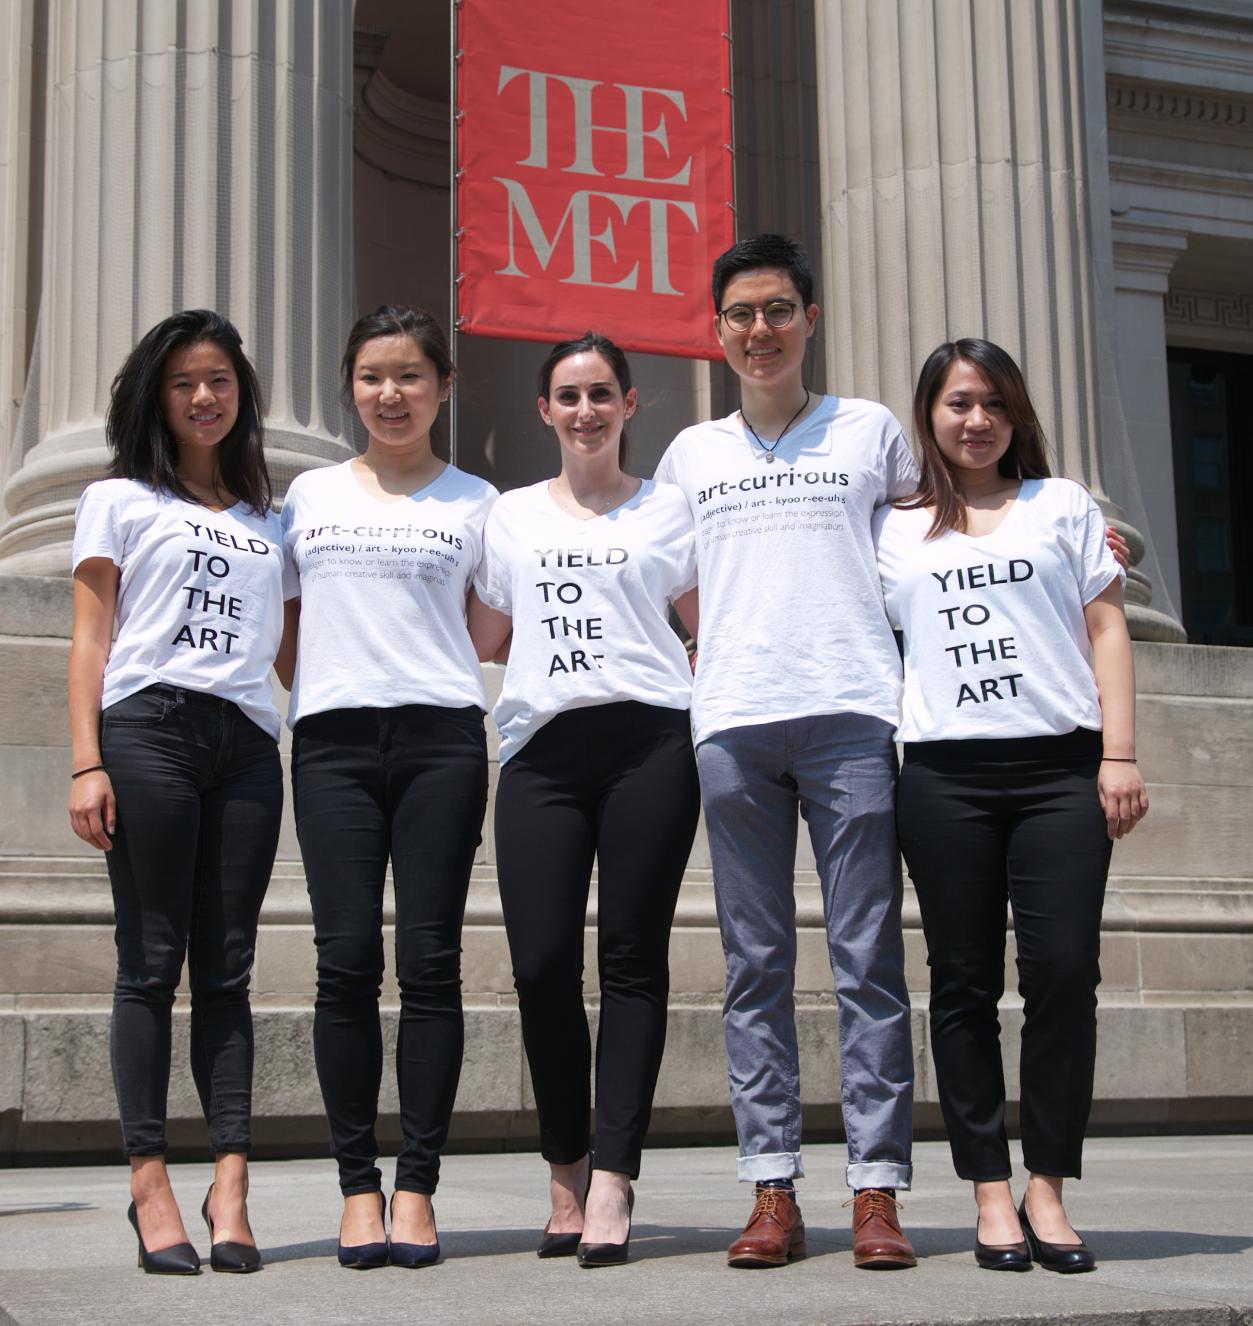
769,450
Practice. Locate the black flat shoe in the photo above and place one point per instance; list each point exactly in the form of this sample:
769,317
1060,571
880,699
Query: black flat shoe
365,1256
1065,1258
591,1255
1003,1256
181,1259
237,1258
558,1245
411,1255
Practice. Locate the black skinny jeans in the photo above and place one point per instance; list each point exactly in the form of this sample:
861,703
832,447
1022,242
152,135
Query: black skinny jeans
982,821
199,794
615,783
409,784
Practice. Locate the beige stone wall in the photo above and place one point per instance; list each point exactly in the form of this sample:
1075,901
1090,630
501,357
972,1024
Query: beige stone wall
1176,1002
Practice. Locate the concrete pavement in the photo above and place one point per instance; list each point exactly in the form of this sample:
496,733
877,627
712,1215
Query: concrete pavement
1170,1218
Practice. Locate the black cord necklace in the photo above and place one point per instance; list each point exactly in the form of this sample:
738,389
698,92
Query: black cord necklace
769,450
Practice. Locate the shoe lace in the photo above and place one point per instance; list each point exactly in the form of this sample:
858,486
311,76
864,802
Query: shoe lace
874,1202
767,1202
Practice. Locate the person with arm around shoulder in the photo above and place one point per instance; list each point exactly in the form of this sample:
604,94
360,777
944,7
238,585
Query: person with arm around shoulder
176,774
389,764
795,698
596,764
1018,728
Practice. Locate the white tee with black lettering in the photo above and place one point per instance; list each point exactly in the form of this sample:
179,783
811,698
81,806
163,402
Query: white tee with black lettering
995,639
791,615
383,588
589,601
200,597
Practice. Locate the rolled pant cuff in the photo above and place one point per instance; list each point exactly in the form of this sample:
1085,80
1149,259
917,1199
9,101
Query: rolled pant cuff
878,1174
775,1165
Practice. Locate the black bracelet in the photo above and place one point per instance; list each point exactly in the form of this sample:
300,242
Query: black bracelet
91,768
1119,759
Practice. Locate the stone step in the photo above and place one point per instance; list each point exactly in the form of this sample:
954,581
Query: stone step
1167,1065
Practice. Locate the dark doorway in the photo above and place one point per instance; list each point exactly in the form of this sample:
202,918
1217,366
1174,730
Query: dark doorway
1211,426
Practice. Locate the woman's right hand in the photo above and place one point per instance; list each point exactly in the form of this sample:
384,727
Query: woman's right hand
93,809
1124,798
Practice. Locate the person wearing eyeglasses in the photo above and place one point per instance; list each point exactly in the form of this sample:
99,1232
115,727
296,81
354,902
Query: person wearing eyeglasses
794,706
796,696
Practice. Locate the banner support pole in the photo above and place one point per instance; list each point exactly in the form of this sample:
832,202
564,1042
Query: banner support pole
735,215
452,227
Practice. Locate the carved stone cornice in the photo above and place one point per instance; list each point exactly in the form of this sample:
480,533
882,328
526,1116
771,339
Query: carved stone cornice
401,134
1193,45
1189,112
1210,310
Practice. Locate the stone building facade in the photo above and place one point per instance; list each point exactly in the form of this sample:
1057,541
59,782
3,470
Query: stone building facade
1071,179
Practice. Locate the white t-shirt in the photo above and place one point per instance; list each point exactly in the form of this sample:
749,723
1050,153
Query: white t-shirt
588,600
383,588
995,639
791,615
200,599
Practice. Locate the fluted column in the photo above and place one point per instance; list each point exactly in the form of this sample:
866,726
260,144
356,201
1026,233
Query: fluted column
198,154
958,201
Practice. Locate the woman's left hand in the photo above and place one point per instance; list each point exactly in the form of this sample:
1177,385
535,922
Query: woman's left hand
1124,798
1118,546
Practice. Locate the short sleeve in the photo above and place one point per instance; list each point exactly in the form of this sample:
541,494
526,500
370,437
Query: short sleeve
291,572
493,581
665,467
97,530
1095,567
881,533
684,550
902,470
291,577
476,527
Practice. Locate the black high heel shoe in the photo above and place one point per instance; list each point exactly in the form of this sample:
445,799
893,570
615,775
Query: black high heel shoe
238,1258
563,1245
412,1255
591,1255
558,1245
365,1256
1065,1258
181,1259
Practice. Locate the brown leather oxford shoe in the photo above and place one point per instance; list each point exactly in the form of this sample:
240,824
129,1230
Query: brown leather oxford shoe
878,1244
775,1233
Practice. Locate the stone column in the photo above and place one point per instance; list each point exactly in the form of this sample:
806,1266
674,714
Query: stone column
20,94
961,198
198,154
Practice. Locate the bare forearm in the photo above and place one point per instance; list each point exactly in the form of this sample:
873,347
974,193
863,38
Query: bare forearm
688,607
1114,667
285,659
86,684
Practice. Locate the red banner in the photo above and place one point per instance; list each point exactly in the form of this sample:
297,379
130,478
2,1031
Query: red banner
594,169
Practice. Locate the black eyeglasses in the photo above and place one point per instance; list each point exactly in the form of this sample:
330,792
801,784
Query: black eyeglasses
741,317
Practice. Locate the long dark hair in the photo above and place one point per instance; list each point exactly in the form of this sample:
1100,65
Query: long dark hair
139,436
1026,456
397,320
591,342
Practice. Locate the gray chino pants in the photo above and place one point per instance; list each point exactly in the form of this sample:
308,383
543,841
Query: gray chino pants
839,771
